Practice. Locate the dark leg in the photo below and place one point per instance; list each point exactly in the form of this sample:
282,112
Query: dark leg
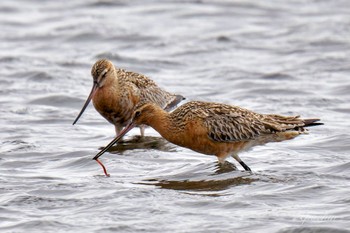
245,166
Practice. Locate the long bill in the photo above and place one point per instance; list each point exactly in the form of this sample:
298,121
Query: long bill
115,140
91,95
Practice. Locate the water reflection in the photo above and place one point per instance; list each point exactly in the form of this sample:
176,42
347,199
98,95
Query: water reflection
202,185
203,178
199,177
226,167
144,143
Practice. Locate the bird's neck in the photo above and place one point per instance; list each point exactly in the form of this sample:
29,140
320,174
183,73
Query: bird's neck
113,80
162,123
107,96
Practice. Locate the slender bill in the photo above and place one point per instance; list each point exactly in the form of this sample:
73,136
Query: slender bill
92,93
115,140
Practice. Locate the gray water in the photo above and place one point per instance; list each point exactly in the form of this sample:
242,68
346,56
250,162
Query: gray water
284,57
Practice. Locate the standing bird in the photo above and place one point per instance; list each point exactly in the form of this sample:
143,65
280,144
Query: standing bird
115,93
216,129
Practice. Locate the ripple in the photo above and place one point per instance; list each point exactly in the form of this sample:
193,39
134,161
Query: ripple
8,59
270,56
16,145
85,36
39,76
278,76
57,101
43,225
107,3
313,230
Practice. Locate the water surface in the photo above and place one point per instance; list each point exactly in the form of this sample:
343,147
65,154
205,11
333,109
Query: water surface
285,57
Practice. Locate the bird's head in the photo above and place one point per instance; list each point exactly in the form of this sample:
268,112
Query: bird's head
101,72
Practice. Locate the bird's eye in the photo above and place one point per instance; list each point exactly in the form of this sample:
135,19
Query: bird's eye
104,74
137,113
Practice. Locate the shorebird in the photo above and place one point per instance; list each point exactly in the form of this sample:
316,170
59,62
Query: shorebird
216,129
115,93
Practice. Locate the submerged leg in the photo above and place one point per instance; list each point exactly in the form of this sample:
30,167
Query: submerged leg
221,160
245,166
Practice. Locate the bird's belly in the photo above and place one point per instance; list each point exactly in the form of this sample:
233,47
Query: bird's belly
117,118
218,148
116,114
204,145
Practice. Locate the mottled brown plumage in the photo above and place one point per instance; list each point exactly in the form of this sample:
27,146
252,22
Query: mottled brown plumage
116,92
217,129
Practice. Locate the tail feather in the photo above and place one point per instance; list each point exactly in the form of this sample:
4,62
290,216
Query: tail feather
311,122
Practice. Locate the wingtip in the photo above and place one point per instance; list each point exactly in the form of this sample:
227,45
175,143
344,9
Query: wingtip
174,103
180,97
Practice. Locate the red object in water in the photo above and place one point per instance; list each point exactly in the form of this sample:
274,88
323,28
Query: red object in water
103,166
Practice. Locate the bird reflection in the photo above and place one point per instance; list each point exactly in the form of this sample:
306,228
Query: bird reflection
202,177
219,177
145,142
225,167
202,185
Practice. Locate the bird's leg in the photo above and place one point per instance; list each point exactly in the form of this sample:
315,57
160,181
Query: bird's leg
142,130
118,128
245,166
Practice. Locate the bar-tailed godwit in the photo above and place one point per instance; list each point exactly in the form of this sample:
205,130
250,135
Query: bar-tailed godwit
216,129
115,93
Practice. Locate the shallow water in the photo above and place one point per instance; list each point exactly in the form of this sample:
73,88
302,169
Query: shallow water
285,57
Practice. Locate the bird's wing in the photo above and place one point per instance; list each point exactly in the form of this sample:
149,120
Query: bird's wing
227,123
150,92
231,128
243,125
